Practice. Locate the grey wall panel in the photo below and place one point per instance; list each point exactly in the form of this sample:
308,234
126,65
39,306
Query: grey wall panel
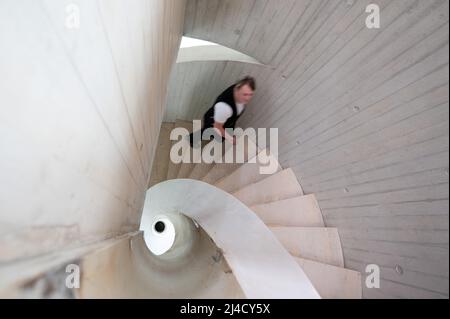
362,116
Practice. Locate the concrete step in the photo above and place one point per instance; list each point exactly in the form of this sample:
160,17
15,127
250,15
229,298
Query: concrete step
332,282
162,153
185,170
314,243
188,164
301,211
282,185
190,161
230,160
173,169
247,173
218,171
201,169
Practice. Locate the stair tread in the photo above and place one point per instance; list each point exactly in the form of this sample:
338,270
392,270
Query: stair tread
200,170
218,171
222,168
320,244
245,174
282,185
330,281
302,211
160,164
185,170
189,162
173,167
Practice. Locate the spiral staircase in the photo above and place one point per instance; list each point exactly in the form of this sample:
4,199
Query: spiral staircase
279,201
238,234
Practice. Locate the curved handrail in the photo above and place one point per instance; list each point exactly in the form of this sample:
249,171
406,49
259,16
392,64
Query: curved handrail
261,265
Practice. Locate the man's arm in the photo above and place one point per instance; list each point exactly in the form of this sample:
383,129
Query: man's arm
222,112
219,126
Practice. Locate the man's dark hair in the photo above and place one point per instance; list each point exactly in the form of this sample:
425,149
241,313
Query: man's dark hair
248,80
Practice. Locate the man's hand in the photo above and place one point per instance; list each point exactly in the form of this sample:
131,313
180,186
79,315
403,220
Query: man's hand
223,133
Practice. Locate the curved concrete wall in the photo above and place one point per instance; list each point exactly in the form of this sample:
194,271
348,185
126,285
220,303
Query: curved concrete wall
362,117
129,270
81,108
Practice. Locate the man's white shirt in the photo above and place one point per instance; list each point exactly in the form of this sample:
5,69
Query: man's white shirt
223,111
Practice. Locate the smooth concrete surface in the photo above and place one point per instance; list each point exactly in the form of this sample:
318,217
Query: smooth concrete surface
301,211
281,185
80,113
332,282
129,270
315,243
245,146
247,173
173,168
44,276
160,163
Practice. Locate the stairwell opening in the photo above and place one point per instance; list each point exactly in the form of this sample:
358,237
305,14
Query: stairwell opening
160,236
169,235
159,227
194,50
